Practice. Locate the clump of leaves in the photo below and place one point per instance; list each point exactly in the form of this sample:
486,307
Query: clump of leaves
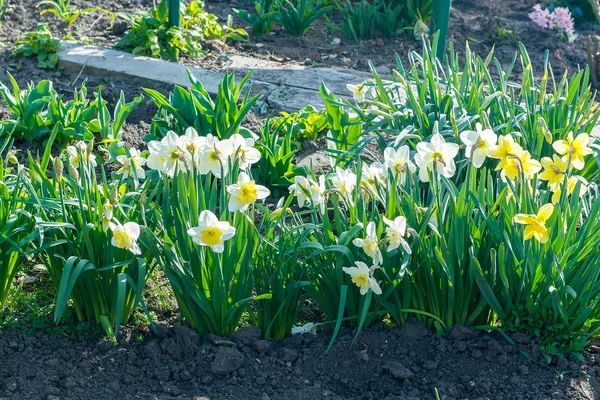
65,12
297,17
359,21
262,22
3,8
390,19
40,44
305,124
150,34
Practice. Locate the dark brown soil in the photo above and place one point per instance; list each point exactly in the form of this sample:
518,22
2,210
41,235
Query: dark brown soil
402,364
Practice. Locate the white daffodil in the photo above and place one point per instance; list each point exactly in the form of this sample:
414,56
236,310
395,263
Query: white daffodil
81,152
362,277
373,176
125,236
214,156
436,155
308,191
370,244
169,155
245,192
479,144
193,143
244,150
344,181
395,233
306,328
398,161
358,91
107,215
134,160
211,232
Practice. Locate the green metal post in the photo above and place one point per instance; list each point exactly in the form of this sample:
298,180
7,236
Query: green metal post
440,20
174,13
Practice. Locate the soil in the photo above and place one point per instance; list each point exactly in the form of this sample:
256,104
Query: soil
406,363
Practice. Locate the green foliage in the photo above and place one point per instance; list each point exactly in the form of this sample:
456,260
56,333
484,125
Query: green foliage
150,34
103,282
391,19
278,270
305,124
194,107
297,17
65,12
345,130
581,9
3,8
37,111
359,21
213,289
40,44
276,168
16,223
262,22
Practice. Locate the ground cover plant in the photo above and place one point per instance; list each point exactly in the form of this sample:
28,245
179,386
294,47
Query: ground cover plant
446,202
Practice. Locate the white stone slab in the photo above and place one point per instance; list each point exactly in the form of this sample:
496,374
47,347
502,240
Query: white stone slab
285,86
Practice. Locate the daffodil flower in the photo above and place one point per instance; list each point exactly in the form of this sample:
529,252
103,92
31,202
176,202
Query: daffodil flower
536,223
134,160
479,143
574,149
193,143
370,244
506,147
211,232
358,92
398,161
245,192
437,155
395,233
214,156
107,215
362,277
169,155
555,169
126,236
81,152
571,184
344,181
243,149
521,163
373,176
307,191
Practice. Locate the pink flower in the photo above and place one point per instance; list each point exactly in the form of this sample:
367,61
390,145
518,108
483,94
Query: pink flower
564,20
559,19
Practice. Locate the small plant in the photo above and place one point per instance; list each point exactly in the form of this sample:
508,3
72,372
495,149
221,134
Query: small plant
3,8
391,19
16,223
88,239
262,22
305,124
276,168
297,17
40,44
194,107
359,21
65,12
150,34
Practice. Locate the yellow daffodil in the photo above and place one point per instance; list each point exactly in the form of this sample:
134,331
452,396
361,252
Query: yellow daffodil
571,184
506,147
574,149
554,172
514,165
536,223
362,277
